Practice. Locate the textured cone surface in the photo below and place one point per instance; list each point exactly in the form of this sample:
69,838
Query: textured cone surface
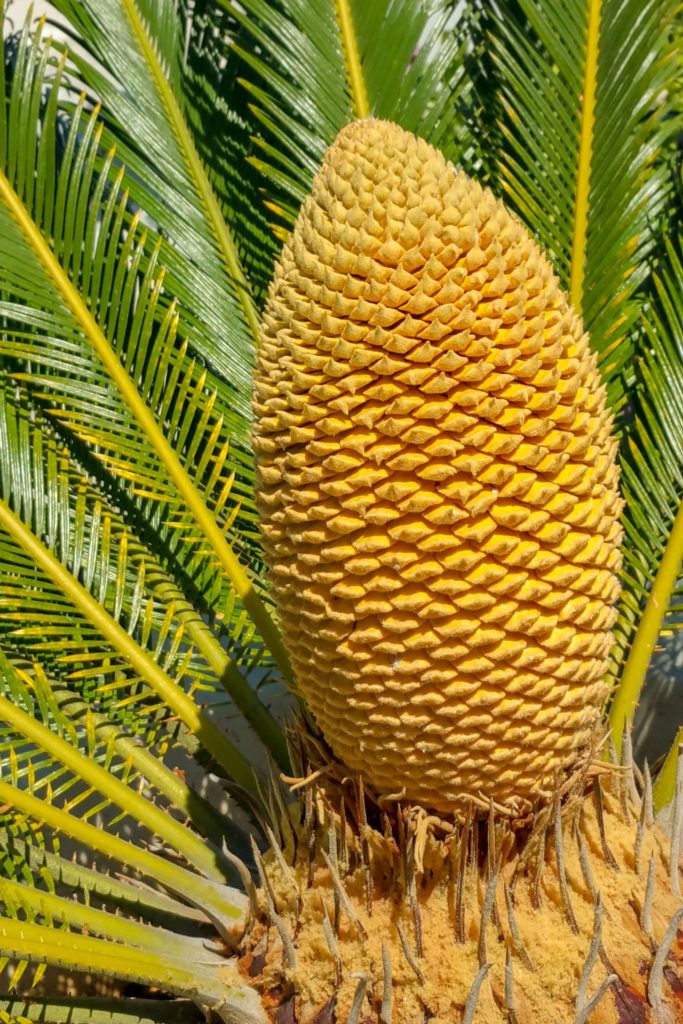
437,482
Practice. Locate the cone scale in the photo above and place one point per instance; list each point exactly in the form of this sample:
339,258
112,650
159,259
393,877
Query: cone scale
437,484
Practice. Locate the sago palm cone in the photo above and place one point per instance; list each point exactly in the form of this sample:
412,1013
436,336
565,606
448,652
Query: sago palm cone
438,485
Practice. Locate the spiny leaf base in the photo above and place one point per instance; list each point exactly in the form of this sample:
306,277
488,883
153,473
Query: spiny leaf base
407,918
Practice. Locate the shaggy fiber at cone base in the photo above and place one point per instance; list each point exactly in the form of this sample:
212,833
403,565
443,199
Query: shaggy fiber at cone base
436,482
552,951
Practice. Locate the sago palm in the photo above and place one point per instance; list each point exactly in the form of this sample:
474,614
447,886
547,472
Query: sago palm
341,391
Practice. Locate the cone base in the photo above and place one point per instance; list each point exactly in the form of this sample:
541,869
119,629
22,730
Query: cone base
417,920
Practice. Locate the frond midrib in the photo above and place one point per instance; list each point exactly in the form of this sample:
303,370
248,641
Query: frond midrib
220,229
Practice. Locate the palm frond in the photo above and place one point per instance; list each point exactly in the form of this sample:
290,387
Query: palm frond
92,558
57,776
652,483
139,430
37,904
222,905
61,777
35,865
98,553
665,788
54,344
216,108
106,648
300,97
204,978
412,57
130,59
310,70
40,748
135,746
126,305
586,118
79,1010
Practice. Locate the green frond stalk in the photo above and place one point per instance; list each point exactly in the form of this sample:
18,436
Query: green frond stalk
24,860
224,906
230,677
195,850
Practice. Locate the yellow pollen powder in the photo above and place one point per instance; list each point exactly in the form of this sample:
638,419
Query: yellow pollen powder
548,956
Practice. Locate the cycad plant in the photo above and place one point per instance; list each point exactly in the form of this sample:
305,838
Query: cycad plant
444,819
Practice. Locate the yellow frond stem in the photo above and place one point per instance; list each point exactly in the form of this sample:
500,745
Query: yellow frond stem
354,68
632,678
583,183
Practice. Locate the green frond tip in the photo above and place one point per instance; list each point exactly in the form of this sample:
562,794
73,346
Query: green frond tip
664,789
146,420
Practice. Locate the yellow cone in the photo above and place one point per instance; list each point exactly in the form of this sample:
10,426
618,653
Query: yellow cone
437,482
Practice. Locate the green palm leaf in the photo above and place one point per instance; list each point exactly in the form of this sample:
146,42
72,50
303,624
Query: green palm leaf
141,431
34,865
137,43
311,70
215,106
44,745
586,145
202,979
61,774
98,1011
105,561
54,344
652,481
